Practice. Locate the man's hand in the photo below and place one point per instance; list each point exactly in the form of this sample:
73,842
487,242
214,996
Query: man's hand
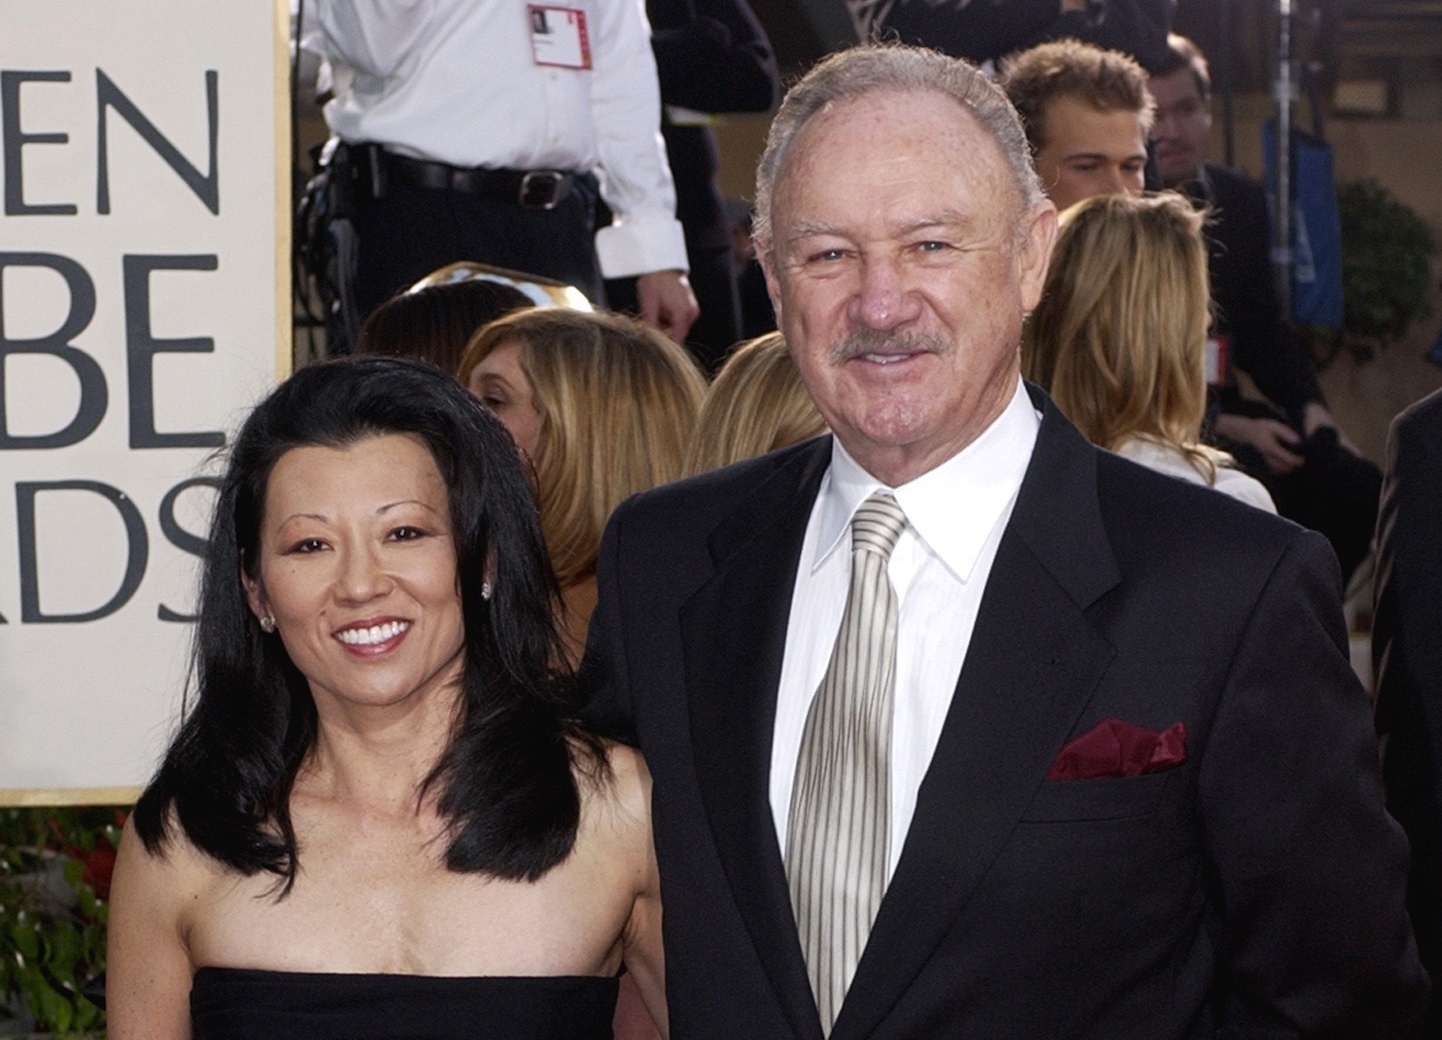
667,302
1276,441
1315,416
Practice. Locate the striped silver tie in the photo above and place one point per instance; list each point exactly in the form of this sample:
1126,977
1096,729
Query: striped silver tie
839,826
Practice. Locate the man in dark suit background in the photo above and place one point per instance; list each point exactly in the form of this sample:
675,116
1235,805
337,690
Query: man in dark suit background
1407,655
1127,780
1314,473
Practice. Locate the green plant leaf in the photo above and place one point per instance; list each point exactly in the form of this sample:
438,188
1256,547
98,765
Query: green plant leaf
49,951
1387,251
25,937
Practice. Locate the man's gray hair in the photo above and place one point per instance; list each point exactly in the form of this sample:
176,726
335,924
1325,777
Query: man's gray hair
878,68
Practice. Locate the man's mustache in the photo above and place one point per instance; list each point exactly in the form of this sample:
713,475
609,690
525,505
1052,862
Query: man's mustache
877,341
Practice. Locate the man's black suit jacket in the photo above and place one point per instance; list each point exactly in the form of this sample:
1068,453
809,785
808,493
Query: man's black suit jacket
1407,651
1256,889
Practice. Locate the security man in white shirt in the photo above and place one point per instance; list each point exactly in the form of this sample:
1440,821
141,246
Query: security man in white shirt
481,130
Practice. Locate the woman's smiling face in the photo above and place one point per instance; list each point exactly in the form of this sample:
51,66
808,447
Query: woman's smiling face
358,567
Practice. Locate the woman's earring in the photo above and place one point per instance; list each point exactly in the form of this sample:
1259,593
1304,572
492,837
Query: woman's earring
267,624
485,590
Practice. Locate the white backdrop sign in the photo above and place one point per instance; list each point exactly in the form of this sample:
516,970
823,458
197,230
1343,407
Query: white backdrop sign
144,304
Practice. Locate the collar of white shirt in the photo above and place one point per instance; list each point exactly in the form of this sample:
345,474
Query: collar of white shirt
952,508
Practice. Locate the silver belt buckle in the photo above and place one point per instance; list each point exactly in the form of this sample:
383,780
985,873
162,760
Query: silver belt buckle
541,189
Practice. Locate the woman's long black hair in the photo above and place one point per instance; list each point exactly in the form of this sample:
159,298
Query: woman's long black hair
505,782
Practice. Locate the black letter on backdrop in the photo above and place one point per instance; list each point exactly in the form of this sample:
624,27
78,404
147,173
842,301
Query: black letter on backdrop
141,348
179,536
14,139
93,393
135,559
108,96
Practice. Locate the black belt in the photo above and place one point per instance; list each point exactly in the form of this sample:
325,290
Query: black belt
529,189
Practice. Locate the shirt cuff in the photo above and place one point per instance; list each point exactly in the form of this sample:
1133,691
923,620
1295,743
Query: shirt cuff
640,245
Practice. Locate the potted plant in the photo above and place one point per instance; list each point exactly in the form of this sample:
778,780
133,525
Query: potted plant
1387,252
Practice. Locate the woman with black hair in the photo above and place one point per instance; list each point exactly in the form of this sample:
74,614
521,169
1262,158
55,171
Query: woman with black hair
377,820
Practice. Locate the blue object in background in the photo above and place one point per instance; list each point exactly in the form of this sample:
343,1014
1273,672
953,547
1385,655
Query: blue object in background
1434,354
1316,227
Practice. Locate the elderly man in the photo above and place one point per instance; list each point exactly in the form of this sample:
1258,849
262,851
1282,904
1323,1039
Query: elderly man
958,726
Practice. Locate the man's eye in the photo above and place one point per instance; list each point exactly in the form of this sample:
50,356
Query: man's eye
932,247
825,256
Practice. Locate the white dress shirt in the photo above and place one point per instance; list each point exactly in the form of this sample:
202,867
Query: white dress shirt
454,81
955,514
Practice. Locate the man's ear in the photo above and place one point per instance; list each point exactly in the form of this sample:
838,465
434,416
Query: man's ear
1035,238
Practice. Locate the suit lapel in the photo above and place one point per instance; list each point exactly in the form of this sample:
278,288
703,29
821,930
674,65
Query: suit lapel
734,635
1032,664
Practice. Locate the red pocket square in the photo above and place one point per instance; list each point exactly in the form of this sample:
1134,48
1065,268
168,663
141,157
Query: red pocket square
1116,748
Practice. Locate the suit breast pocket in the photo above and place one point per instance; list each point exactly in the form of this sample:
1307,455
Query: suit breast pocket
1109,798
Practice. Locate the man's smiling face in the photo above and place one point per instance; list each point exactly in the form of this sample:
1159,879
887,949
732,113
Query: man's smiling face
901,264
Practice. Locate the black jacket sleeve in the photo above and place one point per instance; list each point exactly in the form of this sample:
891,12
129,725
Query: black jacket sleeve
712,55
1407,657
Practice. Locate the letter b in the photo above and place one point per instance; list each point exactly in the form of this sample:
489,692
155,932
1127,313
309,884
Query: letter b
93,393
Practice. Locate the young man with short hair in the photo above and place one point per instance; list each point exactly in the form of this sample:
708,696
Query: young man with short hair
1087,112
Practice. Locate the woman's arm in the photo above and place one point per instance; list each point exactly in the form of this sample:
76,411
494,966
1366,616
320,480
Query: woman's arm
641,939
148,969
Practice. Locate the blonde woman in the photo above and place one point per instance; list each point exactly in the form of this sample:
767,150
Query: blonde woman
603,406
1119,338
756,404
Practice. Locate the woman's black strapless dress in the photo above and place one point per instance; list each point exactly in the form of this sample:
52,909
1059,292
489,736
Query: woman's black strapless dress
246,1004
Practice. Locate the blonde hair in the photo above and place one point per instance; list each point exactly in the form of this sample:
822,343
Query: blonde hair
617,402
1119,337
757,404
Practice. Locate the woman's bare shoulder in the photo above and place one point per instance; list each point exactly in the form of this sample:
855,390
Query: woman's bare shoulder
171,873
616,791
630,777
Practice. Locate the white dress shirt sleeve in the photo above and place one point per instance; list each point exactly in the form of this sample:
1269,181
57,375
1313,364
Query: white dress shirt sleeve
635,176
